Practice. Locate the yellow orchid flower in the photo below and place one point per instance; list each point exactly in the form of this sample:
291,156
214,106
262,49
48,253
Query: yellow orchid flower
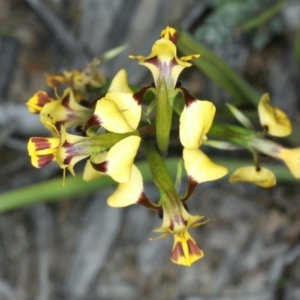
128,193
117,162
169,33
177,221
291,157
273,119
64,111
185,250
163,61
66,149
118,113
195,122
260,176
79,81
38,101
120,83
200,168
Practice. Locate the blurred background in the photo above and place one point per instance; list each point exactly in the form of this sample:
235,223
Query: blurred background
79,248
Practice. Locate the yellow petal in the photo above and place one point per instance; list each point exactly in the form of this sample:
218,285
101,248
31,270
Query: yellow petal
42,150
120,158
129,192
110,117
163,62
274,119
89,173
37,102
120,83
55,80
195,121
42,145
130,108
72,149
169,33
200,168
185,250
65,111
291,157
261,177
39,161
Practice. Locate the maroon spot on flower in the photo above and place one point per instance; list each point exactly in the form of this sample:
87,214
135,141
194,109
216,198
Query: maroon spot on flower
67,160
44,160
40,143
194,248
178,84
153,60
43,98
188,98
171,225
86,103
66,101
101,167
55,80
143,200
177,219
71,151
138,96
177,252
192,183
94,120
59,124
160,212
173,38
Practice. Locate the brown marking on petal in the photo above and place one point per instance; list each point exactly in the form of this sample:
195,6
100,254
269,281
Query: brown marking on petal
194,249
177,252
66,102
101,167
153,60
177,219
44,160
173,38
55,80
163,67
160,212
59,124
86,103
185,206
192,183
43,98
94,120
171,226
40,143
188,98
178,84
138,96
143,200
71,151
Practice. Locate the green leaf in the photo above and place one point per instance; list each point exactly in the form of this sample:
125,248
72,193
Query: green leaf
264,17
218,71
297,47
52,190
